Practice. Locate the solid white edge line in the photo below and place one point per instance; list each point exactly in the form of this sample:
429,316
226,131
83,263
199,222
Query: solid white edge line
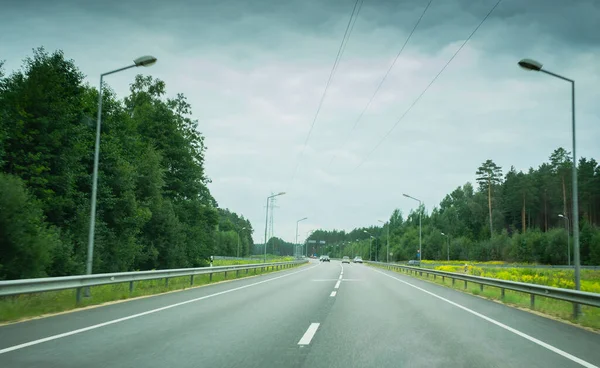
309,334
333,293
337,284
500,324
74,332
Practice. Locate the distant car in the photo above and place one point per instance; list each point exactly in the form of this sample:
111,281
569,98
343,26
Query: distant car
321,258
326,259
414,262
358,260
346,259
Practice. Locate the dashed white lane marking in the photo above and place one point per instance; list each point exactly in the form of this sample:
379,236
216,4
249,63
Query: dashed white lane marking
333,293
318,280
309,334
93,327
340,277
500,324
337,284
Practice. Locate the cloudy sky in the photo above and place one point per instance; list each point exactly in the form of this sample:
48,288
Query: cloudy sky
255,71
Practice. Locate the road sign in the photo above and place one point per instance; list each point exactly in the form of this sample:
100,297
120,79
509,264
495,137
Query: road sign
312,241
322,242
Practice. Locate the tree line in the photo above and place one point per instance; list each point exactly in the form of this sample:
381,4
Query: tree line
514,216
154,208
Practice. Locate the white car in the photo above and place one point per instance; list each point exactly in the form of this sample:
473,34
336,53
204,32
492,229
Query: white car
346,259
358,260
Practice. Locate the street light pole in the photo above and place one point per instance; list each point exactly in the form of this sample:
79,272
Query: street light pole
568,238
529,64
370,244
420,211
238,247
448,247
267,220
141,61
296,242
387,241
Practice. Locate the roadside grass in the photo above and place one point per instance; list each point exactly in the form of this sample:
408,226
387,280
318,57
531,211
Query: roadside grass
590,316
19,307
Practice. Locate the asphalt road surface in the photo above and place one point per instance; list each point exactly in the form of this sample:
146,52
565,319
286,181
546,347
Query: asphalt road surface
318,315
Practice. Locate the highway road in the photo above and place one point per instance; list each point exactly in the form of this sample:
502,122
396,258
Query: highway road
318,315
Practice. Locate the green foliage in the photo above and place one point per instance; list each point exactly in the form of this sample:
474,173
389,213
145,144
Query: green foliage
512,218
154,209
26,243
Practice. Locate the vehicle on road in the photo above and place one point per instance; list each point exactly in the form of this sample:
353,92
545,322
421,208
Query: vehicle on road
358,260
414,262
325,259
346,259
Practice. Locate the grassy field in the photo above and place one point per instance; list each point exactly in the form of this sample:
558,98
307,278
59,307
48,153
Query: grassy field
590,281
31,305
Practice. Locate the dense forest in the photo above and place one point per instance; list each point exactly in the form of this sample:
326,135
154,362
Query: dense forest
512,216
154,209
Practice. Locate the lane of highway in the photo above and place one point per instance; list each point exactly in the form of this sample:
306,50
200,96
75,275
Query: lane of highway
387,320
321,315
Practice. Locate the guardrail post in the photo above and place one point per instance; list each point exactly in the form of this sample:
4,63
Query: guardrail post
246,271
210,277
443,279
237,273
532,301
191,280
502,293
78,295
420,273
166,281
481,287
453,281
225,275
434,277
465,284
130,287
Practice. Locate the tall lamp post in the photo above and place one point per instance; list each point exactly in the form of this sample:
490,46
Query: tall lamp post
448,247
420,211
267,220
370,244
238,247
568,238
141,61
297,222
529,64
387,241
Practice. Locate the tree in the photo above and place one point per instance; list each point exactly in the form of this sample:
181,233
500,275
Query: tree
488,175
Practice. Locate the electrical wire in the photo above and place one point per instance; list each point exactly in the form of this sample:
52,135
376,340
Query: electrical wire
428,86
383,79
341,49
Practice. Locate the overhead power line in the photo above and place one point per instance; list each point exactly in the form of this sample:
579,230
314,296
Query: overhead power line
341,49
428,86
382,80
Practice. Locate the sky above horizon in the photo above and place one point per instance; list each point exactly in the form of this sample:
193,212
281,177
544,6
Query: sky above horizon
255,72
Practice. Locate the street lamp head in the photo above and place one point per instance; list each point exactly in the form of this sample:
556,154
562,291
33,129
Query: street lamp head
529,64
443,234
366,232
561,215
145,60
280,193
302,219
406,195
383,222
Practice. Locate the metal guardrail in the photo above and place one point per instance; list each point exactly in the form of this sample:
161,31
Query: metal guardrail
27,286
567,295
483,265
